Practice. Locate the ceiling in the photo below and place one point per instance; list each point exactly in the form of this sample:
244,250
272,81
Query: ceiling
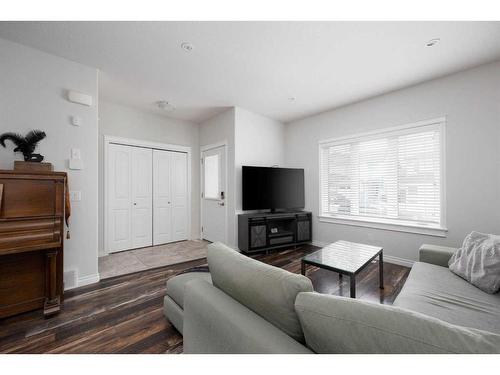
259,65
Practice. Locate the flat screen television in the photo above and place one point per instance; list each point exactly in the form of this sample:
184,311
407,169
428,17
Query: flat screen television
272,188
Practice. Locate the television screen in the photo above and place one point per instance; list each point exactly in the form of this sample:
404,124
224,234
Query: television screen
272,188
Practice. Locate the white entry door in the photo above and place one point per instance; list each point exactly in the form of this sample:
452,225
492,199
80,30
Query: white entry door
129,191
170,200
213,167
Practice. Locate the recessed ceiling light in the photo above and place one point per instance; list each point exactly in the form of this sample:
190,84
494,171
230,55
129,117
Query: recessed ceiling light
164,105
433,42
188,47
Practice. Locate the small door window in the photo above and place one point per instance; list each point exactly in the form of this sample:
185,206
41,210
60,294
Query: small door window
211,171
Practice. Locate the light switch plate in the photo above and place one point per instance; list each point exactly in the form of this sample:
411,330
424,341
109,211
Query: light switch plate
76,153
76,121
75,164
75,195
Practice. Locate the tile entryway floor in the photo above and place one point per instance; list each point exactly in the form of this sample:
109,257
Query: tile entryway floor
129,261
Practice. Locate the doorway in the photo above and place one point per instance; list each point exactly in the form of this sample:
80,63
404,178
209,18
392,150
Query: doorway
214,193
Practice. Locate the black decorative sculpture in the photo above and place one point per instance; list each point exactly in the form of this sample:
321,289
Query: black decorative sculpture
26,145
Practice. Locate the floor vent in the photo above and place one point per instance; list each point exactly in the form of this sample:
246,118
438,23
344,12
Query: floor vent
70,279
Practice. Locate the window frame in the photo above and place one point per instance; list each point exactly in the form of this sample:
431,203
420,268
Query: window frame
439,230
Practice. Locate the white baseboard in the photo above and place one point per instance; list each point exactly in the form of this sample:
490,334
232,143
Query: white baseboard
387,258
319,243
87,280
399,261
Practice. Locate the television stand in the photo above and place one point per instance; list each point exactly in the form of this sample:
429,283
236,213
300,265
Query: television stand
267,231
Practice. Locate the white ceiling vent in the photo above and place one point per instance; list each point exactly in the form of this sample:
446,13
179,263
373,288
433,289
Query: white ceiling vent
165,106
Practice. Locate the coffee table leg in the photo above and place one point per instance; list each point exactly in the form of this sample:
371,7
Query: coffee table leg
381,269
353,286
303,268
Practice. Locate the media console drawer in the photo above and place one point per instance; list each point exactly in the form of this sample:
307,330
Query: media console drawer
281,240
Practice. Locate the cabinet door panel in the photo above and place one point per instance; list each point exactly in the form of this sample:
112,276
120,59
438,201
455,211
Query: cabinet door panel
179,196
119,198
142,195
170,196
162,197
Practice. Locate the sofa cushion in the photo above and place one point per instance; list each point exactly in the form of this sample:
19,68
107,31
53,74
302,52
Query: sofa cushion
215,323
437,292
266,290
334,324
176,285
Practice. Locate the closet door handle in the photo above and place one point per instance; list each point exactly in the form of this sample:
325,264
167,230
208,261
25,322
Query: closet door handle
1,196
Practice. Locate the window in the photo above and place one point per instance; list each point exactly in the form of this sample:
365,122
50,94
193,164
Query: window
211,174
390,179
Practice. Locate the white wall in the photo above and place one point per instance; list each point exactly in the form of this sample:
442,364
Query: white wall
471,102
220,128
259,141
252,140
33,86
127,122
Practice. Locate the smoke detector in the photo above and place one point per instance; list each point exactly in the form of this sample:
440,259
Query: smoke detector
165,106
186,46
433,42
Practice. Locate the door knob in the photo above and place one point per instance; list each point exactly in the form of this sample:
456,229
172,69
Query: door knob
135,204
221,203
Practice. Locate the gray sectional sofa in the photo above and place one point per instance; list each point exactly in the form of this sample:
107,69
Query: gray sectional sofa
246,306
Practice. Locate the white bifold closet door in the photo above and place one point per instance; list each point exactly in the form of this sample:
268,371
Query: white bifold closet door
130,192
170,200
147,197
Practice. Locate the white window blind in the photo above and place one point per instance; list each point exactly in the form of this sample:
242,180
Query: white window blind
393,176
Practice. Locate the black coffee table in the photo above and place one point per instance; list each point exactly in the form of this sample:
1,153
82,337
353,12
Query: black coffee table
346,258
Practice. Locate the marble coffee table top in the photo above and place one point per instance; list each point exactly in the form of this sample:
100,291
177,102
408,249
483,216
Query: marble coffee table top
343,255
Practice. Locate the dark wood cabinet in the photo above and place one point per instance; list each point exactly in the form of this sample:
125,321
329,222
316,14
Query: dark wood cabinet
32,209
267,231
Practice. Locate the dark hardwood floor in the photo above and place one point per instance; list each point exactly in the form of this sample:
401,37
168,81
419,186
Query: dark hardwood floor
125,314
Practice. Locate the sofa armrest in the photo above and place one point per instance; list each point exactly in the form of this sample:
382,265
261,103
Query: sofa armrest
342,325
434,254
216,323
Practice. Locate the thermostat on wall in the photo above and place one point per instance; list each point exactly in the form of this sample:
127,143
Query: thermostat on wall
79,98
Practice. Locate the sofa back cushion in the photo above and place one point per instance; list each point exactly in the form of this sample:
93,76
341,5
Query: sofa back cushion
266,290
343,325
478,261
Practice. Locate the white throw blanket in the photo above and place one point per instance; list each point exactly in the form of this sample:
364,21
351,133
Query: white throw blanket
478,261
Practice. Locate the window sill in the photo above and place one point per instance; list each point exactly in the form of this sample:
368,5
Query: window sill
385,225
